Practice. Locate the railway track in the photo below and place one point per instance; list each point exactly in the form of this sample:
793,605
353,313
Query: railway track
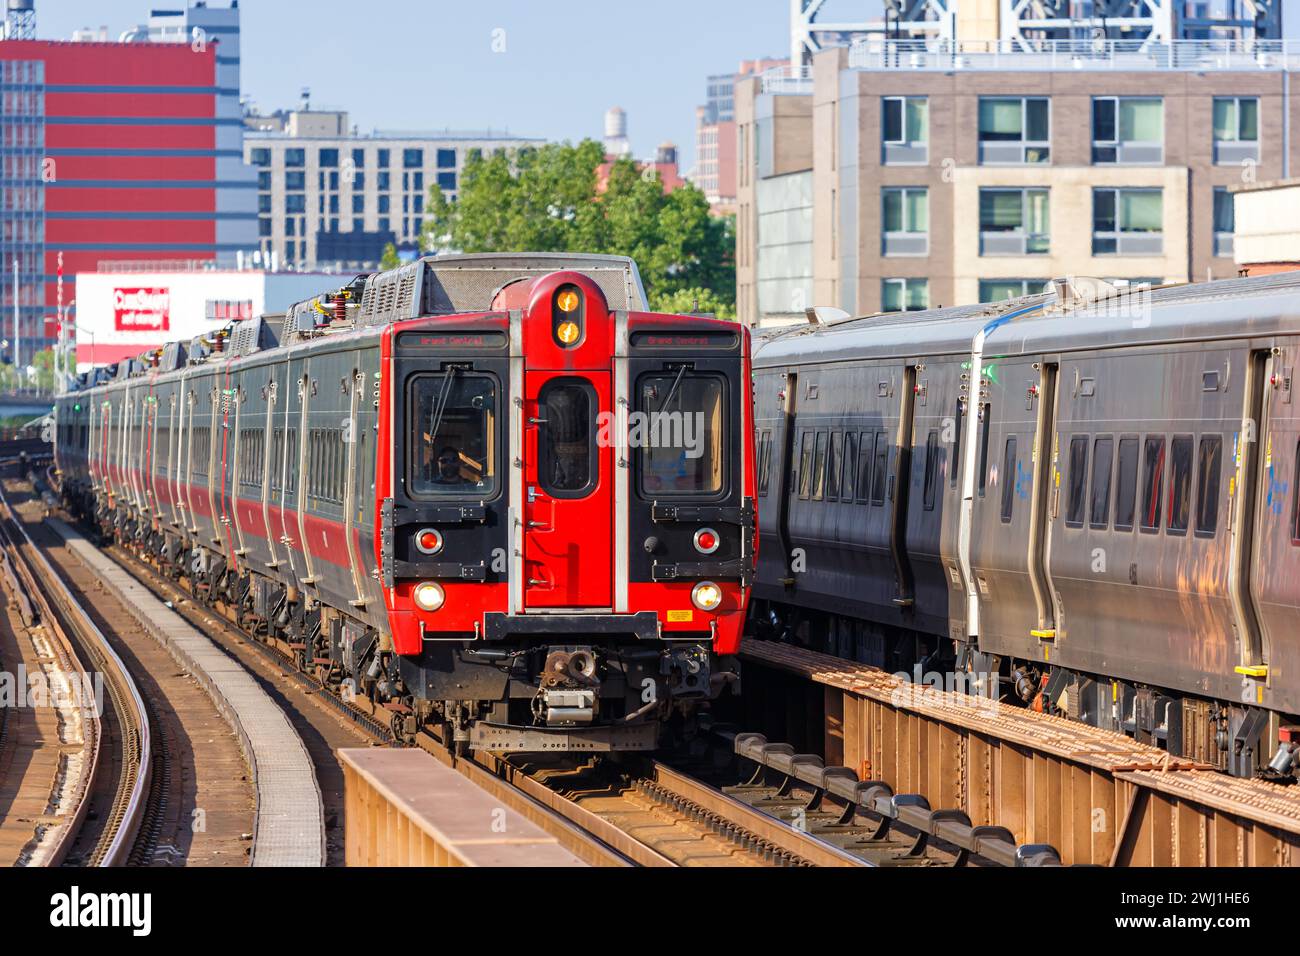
100,794
606,813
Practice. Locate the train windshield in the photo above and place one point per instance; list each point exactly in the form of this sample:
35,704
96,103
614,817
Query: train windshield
678,432
453,441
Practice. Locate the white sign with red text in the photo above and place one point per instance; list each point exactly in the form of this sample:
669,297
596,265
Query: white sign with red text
142,310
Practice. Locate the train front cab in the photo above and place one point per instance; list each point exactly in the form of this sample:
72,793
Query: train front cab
567,535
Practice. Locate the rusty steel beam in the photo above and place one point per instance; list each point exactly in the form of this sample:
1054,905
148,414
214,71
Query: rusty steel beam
1098,797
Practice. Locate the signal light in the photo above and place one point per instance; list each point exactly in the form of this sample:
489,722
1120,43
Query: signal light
706,596
707,541
428,595
567,333
567,300
428,541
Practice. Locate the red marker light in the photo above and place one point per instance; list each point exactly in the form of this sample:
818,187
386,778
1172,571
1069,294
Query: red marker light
428,541
707,541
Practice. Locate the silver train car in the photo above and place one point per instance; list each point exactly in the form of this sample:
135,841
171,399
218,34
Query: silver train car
1091,493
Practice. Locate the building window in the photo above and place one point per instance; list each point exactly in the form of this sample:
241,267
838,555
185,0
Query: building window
1127,222
291,227
905,129
385,204
385,182
359,158
358,225
260,156
1224,221
1128,130
295,202
417,181
358,182
264,202
294,180
446,159
384,225
1014,222
1014,130
264,179
264,226
358,203
412,158
447,181
295,158
1236,129
328,158
999,290
382,156
905,221
904,295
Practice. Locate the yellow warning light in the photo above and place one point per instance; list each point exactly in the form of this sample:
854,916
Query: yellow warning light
567,332
567,300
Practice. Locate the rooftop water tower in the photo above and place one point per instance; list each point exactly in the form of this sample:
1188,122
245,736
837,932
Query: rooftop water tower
20,20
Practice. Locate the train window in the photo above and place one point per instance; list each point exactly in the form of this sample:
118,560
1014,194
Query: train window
1295,506
1180,484
819,468
865,457
1209,468
931,467
805,464
691,406
955,469
1153,477
1078,479
1126,484
1009,465
764,461
292,466
850,465
880,470
452,437
986,413
1103,454
567,464
833,467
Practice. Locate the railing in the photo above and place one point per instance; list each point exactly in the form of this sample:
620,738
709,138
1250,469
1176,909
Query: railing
877,53
785,79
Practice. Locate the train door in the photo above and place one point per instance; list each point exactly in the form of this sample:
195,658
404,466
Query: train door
300,473
236,448
272,469
227,435
1043,495
352,437
568,491
786,470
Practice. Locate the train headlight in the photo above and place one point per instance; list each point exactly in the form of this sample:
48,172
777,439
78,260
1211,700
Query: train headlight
428,541
706,596
428,595
707,541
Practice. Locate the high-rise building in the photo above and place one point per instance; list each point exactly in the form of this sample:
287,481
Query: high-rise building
327,197
715,135
912,173
123,150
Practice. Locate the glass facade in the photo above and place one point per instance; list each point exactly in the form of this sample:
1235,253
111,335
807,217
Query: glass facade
22,200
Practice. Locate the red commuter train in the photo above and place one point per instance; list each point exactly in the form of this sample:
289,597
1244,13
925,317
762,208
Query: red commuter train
488,491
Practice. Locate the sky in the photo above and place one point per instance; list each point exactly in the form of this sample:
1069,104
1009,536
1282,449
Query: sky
548,68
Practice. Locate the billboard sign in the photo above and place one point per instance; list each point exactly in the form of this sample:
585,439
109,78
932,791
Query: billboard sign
141,310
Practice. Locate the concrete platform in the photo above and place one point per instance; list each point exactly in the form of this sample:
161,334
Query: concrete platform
404,808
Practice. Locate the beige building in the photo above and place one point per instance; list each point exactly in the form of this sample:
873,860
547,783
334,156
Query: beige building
1267,226
907,175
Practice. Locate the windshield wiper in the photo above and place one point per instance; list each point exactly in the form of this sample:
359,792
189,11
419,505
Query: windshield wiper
673,391
440,407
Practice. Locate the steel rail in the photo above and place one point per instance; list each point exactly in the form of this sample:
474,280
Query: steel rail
133,785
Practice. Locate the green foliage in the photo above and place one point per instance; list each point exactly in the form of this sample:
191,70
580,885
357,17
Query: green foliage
43,362
693,300
389,260
545,200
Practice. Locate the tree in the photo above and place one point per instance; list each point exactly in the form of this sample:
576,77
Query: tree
546,200
43,362
685,301
389,260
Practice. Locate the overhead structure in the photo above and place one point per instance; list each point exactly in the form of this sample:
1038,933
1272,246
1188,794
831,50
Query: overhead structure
1027,22
20,20
902,20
